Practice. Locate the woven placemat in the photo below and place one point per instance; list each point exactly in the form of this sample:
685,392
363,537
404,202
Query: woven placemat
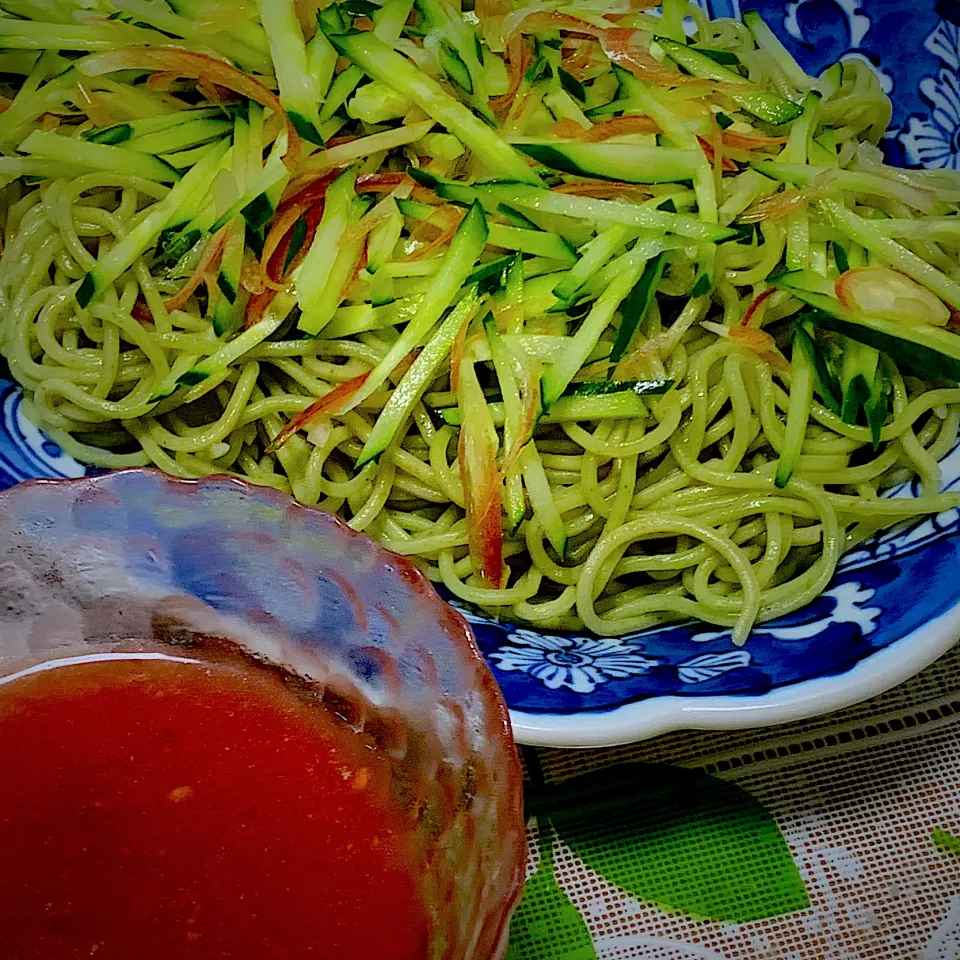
830,839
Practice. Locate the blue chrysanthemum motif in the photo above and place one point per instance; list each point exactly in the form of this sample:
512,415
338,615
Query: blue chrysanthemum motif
933,141
580,664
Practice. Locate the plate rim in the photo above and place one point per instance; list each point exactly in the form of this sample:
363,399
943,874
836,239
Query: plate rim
654,716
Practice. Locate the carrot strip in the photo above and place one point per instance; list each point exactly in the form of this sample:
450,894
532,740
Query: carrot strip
758,301
330,403
516,56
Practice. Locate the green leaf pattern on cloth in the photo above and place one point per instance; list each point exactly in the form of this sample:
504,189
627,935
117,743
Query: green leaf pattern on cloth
546,923
678,839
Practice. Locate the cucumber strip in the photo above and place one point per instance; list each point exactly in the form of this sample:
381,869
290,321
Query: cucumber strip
563,106
853,181
192,133
802,130
682,135
320,311
535,242
865,233
637,306
105,35
314,274
876,407
226,315
31,103
383,63
384,237
18,62
198,215
762,104
388,25
616,406
798,412
593,256
133,129
797,151
467,245
13,167
376,102
255,204
231,352
457,49
945,229
798,240
343,85
608,388
768,41
158,14
415,381
503,365
824,379
541,499
614,161
345,153
97,156
298,86
440,146
930,352
321,64
558,375
513,295
615,211
185,159
170,382
361,318
122,255
671,20
858,372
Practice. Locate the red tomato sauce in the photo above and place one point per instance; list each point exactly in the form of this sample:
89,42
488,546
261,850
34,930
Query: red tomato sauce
154,809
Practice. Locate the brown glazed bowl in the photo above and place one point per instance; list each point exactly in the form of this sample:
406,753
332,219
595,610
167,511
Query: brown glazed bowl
86,565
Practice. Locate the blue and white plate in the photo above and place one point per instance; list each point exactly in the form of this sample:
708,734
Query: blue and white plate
894,605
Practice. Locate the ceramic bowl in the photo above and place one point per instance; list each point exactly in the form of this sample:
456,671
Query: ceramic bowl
87,564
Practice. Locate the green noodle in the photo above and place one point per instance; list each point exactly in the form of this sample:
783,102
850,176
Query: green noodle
671,514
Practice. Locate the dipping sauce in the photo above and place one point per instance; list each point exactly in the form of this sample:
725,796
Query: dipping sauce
157,809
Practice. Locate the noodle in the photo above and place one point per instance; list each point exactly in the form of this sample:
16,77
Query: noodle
624,522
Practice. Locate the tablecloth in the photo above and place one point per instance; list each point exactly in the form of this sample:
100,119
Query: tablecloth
833,839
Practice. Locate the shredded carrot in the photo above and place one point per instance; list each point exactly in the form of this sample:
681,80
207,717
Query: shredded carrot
761,343
516,57
620,126
329,404
481,489
745,141
380,182
285,219
602,188
203,272
773,208
758,301
630,50
716,158
453,216
528,379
